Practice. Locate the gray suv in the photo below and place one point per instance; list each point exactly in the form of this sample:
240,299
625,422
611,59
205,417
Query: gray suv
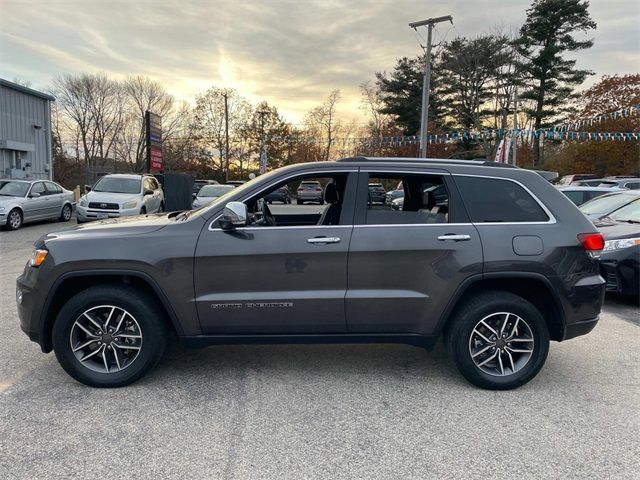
498,263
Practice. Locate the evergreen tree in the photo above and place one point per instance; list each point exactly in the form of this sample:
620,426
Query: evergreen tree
547,34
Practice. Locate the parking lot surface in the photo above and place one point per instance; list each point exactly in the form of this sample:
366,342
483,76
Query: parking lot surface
337,411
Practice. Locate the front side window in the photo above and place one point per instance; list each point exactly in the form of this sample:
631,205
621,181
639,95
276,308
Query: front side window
214,190
38,187
406,199
299,202
117,185
490,200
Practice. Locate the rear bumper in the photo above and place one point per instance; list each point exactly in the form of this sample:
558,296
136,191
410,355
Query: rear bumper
582,305
573,330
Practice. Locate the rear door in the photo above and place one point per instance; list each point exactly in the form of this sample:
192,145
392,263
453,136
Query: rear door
55,199
405,265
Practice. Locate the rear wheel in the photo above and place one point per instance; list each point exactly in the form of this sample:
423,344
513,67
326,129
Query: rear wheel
143,210
65,216
161,207
498,340
299,202
14,219
109,336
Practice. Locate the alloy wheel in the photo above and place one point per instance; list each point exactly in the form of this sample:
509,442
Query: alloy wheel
106,339
15,219
66,213
501,344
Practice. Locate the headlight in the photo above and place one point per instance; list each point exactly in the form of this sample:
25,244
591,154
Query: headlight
37,257
131,204
611,245
83,201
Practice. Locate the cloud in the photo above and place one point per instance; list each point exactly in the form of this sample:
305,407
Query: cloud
291,53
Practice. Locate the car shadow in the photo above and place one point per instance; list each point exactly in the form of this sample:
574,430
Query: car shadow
619,305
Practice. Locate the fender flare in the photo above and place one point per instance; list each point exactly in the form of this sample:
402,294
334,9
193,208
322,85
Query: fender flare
501,275
46,323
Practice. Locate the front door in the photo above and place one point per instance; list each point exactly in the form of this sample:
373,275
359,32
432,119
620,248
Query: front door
285,276
408,256
36,207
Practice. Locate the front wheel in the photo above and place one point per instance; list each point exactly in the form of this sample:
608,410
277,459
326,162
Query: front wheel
498,340
14,219
109,336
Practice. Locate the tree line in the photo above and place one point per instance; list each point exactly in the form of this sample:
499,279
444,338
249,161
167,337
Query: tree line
485,82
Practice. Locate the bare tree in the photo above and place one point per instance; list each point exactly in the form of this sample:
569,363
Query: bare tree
322,122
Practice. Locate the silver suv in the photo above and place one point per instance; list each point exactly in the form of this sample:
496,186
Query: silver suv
120,195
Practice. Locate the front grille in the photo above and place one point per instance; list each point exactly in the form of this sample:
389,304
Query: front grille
103,206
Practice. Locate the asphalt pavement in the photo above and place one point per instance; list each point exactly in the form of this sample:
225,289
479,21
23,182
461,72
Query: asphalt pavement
337,411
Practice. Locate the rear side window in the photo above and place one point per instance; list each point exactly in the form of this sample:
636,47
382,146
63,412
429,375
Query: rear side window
497,200
576,196
632,185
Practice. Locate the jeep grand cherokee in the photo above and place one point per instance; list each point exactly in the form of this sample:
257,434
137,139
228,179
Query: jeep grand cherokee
499,263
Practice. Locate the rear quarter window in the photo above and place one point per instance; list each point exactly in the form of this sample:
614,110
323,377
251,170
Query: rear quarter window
497,200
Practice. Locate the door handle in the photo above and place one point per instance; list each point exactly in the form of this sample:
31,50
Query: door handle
454,238
323,240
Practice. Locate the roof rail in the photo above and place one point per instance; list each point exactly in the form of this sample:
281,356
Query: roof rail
482,162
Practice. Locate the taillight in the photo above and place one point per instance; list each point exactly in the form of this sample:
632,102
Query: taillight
592,242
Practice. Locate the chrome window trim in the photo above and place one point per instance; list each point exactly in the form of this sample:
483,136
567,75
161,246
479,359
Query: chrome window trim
552,218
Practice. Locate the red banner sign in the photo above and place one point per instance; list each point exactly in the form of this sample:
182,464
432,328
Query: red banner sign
156,159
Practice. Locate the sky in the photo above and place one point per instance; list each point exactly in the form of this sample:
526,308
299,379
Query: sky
289,53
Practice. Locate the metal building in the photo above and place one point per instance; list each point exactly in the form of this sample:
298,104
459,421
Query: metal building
25,132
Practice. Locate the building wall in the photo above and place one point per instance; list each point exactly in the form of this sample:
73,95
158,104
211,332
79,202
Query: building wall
25,151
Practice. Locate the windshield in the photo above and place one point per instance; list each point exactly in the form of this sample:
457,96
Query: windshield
13,189
628,213
606,204
117,185
214,190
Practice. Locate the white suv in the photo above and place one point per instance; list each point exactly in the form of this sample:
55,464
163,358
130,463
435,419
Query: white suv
120,195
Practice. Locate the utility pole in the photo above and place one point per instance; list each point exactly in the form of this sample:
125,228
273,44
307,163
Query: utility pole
226,137
426,83
515,126
263,153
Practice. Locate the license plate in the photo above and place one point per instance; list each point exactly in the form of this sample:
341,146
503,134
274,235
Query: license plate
103,216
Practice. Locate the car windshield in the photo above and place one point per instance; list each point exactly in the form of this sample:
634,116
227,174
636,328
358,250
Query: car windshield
629,213
117,185
14,189
214,190
606,204
309,185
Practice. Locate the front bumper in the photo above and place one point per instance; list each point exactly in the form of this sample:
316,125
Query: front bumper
621,270
30,300
86,214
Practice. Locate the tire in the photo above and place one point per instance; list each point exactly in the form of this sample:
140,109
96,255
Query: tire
14,219
148,322
143,210
299,202
161,208
65,216
462,340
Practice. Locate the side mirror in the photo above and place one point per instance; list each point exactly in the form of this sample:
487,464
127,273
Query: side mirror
194,195
87,188
34,195
234,215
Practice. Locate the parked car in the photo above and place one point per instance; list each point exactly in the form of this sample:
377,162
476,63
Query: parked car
630,183
310,191
377,193
393,195
198,184
24,201
580,195
620,257
209,193
571,179
235,183
608,203
509,265
121,195
281,195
